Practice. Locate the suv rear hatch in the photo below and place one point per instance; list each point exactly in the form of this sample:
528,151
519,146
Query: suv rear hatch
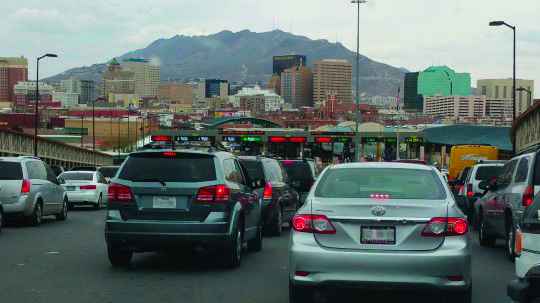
300,174
380,208
164,186
11,178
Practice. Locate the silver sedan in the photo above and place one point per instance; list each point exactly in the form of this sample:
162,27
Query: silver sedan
380,226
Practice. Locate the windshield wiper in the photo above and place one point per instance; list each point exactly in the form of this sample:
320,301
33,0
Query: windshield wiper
150,180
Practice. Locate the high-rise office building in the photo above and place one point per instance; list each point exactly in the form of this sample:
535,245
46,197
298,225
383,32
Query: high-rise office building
116,80
434,81
297,86
502,89
147,76
85,89
12,71
455,106
281,63
216,88
332,77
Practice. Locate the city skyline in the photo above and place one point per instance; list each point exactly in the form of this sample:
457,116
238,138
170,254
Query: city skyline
391,38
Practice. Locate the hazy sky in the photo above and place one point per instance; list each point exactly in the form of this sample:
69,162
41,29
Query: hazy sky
405,33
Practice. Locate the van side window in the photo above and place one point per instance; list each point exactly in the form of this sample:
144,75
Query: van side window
536,177
507,173
522,171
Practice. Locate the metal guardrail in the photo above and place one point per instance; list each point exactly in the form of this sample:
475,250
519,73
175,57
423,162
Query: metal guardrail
54,153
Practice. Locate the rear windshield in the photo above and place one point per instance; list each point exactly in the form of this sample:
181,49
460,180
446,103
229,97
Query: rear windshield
77,176
183,167
108,172
298,170
366,182
487,172
10,171
254,168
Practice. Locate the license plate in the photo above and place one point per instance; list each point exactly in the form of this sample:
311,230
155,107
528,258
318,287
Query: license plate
70,188
385,235
164,202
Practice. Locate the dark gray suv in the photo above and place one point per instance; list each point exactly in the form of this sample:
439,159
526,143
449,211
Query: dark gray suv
171,199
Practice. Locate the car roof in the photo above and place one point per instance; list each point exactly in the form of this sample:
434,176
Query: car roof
79,171
254,158
383,165
200,151
19,159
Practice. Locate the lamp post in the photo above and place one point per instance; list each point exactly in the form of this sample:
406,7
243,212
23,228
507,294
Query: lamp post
358,118
529,92
36,120
94,131
513,28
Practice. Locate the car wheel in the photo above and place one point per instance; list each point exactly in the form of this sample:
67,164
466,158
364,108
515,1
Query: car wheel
233,255
511,242
484,237
119,257
256,244
99,203
277,224
461,297
299,294
62,216
37,215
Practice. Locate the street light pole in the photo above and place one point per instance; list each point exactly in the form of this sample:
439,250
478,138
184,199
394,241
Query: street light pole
513,28
94,131
36,119
358,118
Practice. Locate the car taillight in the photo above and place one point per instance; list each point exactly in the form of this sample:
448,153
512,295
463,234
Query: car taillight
215,193
268,192
442,227
120,194
528,196
470,192
459,189
87,187
25,186
316,224
519,242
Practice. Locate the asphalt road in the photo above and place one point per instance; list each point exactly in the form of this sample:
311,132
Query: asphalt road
66,262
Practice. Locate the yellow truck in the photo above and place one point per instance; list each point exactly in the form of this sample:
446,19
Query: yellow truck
462,156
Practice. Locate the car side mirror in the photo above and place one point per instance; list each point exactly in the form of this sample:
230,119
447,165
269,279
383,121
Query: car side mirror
61,180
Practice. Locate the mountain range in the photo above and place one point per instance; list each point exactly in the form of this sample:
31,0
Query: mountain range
246,56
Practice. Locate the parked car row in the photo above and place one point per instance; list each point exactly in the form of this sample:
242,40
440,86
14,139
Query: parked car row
31,189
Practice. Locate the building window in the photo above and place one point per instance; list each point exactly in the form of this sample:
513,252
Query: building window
484,90
496,91
505,91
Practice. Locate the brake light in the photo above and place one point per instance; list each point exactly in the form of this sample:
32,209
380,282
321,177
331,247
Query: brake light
268,192
316,224
519,242
215,193
442,227
161,138
528,196
169,154
25,186
120,194
470,192
87,187
459,189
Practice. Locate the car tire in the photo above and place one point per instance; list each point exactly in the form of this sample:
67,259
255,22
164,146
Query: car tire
299,294
277,222
256,244
484,237
99,203
119,257
461,297
71,206
510,241
233,249
36,216
62,216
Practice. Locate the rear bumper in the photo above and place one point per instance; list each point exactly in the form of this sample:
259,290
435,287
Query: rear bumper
82,197
23,206
380,269
139,235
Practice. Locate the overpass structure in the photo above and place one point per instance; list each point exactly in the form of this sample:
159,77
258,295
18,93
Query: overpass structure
526,129
14,144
